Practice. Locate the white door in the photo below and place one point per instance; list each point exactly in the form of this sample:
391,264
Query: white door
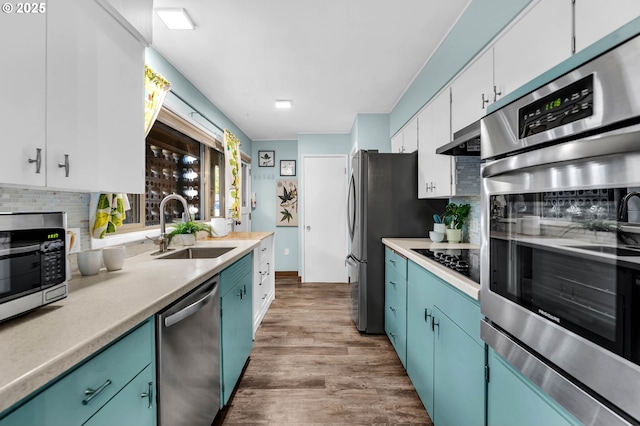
324,232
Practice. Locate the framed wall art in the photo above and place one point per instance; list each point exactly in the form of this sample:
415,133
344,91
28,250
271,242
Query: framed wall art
287,167
287,202
266,158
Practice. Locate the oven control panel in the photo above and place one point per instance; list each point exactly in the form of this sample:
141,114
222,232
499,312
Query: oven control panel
571,103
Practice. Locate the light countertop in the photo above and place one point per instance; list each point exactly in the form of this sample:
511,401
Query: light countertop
403,246
39,346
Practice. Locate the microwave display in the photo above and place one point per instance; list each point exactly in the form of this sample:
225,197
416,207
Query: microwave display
571,103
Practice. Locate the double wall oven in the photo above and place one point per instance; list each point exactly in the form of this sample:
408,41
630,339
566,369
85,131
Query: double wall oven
560,276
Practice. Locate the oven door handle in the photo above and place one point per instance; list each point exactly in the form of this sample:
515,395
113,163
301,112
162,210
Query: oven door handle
616,141
573,398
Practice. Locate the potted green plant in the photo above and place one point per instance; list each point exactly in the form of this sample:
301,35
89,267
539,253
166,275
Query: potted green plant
454,218
188,231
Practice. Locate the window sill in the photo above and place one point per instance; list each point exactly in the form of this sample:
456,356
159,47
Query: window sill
124,238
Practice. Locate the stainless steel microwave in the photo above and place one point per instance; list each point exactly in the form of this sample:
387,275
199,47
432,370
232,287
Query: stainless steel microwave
32,261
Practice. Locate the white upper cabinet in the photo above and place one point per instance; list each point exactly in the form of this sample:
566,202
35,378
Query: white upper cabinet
435,171
472,91
406,140
135,15
397,142
77,95
540,40
95,101
22,104
597,18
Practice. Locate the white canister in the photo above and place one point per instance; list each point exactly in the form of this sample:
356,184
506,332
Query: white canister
113,257
219,226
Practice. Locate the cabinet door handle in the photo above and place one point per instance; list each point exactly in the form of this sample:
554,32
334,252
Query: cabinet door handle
393,335
65,165
268,269
392,261
92,393
240,294
496,93
244,290
392,309
427,315
435,324
38,159
392,283
484,101
148,394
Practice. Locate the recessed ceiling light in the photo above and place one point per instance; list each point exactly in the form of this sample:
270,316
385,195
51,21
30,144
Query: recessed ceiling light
283,104
175,18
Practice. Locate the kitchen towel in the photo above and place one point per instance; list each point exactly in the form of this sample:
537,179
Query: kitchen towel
108,213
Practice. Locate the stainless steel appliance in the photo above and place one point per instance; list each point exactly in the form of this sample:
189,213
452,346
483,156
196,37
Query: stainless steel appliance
466,262
560,276
188,339
32,261
382,202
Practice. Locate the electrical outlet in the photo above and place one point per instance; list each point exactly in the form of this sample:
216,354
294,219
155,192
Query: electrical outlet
286,252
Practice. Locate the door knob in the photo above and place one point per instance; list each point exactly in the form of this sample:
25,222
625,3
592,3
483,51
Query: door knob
308,228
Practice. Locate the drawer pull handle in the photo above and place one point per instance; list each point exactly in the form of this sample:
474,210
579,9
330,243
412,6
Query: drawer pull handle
92,393
427,315
148,394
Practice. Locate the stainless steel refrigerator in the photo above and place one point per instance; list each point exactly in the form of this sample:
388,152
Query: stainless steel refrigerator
382,202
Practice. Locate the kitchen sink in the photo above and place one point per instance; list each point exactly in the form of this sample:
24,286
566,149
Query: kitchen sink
198,253
617,251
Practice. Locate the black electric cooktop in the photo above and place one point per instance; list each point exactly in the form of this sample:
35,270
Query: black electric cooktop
463,261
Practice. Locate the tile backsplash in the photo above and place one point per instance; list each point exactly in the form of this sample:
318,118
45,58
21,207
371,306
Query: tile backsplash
471,232
76,204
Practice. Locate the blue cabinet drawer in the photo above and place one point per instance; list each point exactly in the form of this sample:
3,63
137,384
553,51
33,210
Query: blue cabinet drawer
395,289
396,261
234,273
66,402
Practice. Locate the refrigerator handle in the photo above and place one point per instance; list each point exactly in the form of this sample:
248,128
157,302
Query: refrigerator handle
351,207
350,260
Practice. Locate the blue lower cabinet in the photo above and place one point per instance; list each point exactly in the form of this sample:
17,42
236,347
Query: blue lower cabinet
420,345
445,356
133,405
93,386
459,375
236,324
395,303
512,399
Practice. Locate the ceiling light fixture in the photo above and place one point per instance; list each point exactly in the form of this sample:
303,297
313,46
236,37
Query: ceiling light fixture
175,18
283,104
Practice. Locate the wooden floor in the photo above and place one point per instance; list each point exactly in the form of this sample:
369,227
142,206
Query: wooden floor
309,365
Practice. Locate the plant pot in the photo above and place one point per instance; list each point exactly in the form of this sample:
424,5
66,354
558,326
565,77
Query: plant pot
439,227
188,239
454,235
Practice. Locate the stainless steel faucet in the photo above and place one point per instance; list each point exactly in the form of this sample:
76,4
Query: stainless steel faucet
623,215
163,232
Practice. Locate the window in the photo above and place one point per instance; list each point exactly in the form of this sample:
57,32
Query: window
177,163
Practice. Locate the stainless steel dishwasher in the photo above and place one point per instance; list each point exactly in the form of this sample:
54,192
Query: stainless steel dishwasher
188,338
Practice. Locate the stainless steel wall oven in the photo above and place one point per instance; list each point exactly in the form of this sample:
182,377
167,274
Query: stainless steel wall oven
560,276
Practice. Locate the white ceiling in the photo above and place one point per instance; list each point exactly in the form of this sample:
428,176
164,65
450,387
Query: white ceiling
332,58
